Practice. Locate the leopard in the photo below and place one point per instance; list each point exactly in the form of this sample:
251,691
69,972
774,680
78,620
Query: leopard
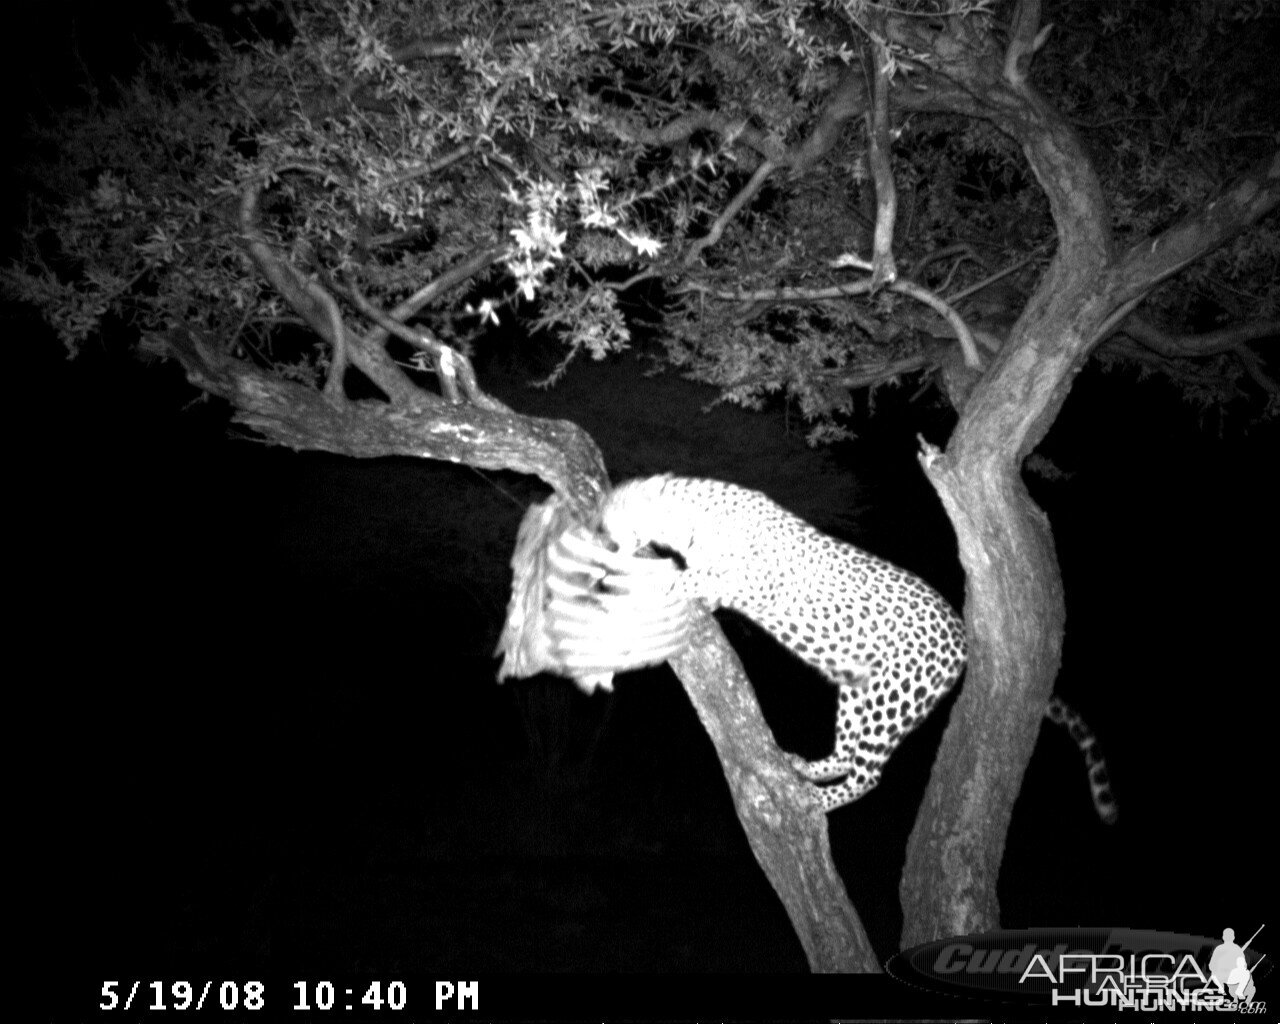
889,643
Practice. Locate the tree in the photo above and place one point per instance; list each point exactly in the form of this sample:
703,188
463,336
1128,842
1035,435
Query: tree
321,214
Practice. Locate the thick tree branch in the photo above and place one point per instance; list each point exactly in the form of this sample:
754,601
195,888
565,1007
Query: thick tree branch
848,100
481,432
1153,260
299,417
1192,346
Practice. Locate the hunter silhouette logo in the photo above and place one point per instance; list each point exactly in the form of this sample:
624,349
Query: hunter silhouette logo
1229,968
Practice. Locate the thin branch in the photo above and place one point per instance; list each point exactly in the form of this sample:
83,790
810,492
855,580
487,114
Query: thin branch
431,291
847,100
959,249
437,49
634,279
1254,368
992,278
868,376
729,212
878,149
366,353
838,291
451,366
679,129
317,307
1025,38
1185,372
434,166
861,375
865,287
333,385
940,305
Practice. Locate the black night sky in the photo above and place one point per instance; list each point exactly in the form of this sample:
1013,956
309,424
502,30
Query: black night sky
259,726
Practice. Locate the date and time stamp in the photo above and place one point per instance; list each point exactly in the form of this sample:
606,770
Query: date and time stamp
311,997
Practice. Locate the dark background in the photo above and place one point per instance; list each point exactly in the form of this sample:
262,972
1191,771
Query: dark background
256,719
269,732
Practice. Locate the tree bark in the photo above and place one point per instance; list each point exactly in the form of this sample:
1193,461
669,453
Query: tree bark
558,452
1014,607
780,814
784,823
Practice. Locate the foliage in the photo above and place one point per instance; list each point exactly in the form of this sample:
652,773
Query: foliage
596,148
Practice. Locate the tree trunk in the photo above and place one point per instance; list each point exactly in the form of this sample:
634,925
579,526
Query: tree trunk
784,822
1014,609
1015,615
1013,599
1014,612
780,812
